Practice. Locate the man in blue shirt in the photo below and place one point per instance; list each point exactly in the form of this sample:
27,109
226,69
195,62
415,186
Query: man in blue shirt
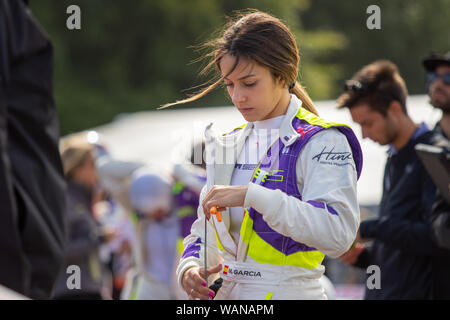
402,245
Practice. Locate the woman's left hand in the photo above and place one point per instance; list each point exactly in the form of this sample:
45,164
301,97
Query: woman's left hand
222,197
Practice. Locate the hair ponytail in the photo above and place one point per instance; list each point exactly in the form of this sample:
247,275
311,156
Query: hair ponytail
301,93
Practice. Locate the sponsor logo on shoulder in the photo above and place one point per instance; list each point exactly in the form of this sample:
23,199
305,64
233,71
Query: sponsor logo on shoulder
335,158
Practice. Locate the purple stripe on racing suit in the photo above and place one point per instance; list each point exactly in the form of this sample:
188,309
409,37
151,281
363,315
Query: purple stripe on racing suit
192,249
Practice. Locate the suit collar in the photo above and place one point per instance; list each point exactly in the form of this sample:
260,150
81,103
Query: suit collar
288,135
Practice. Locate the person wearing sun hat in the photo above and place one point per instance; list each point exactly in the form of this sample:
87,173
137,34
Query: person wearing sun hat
84,236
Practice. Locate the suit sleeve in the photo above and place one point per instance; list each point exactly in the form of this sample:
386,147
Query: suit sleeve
327,218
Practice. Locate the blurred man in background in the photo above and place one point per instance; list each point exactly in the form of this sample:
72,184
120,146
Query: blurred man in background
438,87
32,185
402,243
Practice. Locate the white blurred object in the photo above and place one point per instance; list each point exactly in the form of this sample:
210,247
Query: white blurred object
8,294
209,151
350,291
114,173
93,137
140,286
150,190
328,287
116,218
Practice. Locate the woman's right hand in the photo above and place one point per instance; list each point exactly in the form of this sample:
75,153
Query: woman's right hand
194,284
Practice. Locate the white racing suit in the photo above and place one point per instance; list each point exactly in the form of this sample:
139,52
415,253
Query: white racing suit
291,220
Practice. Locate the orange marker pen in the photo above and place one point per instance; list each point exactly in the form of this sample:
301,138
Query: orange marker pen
218,214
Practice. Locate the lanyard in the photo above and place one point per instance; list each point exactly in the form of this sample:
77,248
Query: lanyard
209,151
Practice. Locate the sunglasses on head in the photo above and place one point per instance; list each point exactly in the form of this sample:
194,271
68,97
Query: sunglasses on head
433,76
354,85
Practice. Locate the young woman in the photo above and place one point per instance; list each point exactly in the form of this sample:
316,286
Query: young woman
292,204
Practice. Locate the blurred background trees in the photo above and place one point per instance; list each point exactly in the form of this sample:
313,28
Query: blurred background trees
135,56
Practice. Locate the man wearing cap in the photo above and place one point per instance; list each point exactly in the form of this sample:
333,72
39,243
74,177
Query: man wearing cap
84,236
438,87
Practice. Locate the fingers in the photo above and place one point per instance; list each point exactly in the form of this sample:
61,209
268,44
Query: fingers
199,289
222,197
209,204
206,208
198,296
201,293
196,286
214,269
210,270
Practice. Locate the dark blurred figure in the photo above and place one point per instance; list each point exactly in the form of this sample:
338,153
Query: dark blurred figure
438,87
84,235
32,186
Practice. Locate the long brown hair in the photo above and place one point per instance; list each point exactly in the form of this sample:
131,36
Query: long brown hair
260,37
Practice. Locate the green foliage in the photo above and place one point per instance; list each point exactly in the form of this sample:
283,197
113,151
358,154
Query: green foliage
410,29
133,56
